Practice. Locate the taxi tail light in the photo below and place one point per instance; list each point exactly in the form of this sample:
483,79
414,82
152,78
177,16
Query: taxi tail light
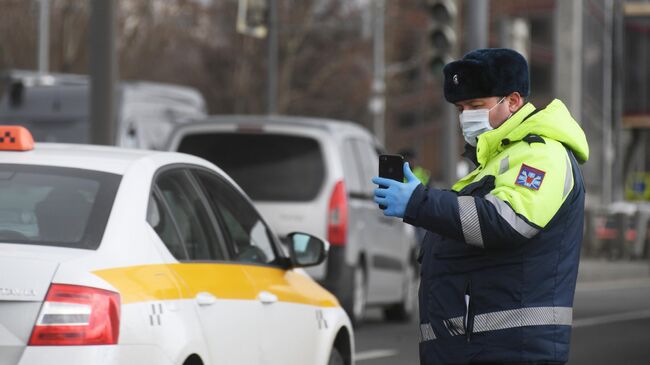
337,216
77,315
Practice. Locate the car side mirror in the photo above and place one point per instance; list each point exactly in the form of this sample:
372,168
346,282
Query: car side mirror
306,250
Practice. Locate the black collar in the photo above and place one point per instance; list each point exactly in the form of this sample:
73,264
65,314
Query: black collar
470,154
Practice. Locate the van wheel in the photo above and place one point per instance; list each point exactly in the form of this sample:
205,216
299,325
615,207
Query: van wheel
336,358
404,311
356,303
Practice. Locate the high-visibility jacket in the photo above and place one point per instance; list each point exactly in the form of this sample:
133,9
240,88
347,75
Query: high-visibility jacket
422,174
500,258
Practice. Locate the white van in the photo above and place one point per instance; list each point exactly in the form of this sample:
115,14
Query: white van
314,175
55,108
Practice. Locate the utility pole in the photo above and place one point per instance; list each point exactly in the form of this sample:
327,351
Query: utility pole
377,103
272,106
475,35
444,49
569,55
608,140
259,19
618,75
103,71
43,36
476,28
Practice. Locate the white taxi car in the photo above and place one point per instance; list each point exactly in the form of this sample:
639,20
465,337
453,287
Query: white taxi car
115,256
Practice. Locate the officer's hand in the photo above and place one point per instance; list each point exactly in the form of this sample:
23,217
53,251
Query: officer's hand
397,194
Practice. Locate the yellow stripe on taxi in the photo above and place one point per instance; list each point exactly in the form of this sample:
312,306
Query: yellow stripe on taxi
224,281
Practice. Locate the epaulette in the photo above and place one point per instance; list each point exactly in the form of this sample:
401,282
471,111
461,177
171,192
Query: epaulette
533,138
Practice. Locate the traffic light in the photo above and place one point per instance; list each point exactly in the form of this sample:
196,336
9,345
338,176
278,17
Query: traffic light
252,18
442,33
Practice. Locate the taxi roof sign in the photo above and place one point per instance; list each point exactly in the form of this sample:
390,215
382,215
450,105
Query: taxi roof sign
15,138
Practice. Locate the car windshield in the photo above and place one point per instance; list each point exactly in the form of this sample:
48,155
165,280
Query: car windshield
55,206
269,167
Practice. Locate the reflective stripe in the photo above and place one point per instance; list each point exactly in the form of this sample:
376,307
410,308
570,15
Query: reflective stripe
568,178
504,165
469,221
426,332
515,318
509,215
524,317
455,326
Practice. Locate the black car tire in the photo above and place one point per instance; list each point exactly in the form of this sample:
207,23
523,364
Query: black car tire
355,305
336,358
405,310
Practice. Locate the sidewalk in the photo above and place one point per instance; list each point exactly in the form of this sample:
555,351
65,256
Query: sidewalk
598,269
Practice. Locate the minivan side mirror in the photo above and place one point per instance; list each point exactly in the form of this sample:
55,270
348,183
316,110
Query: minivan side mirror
306,250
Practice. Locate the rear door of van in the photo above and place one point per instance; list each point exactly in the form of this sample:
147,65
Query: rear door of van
383,238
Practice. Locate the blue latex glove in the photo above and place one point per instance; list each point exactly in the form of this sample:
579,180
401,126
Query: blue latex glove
397,194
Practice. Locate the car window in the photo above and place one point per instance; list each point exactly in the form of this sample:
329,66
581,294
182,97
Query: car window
249,237
55,206
351,167
369,165
190,216
269,167
158,217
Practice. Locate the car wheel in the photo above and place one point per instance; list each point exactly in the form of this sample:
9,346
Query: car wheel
404,311
356,304
336,358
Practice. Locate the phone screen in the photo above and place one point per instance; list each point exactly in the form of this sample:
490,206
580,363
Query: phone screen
391,167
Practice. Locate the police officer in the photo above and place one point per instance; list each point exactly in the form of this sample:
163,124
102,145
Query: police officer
500,258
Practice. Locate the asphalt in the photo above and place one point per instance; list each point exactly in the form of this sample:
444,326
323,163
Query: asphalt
593,270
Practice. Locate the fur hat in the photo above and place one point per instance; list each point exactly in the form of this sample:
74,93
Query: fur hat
484,73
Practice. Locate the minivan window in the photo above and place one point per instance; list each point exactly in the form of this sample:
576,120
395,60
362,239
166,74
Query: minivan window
369,163
269,167
55,206
351,168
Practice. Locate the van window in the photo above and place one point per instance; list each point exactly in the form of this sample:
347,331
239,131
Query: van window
351,168
55,206
269,167
369,161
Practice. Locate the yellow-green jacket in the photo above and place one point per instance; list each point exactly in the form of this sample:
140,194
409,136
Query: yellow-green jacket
535,139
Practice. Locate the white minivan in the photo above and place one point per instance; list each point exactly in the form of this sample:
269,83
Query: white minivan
314,175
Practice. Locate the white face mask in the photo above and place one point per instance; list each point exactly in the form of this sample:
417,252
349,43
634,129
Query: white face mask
476,122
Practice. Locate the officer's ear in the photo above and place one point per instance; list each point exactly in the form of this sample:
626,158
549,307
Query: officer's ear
515,101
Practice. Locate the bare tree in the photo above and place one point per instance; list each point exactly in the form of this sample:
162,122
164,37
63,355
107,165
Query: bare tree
324,66
17,34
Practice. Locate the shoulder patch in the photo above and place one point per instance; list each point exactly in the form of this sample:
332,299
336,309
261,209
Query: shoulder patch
530,177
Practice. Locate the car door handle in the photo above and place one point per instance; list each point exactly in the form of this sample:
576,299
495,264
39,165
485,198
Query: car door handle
205,299
267,298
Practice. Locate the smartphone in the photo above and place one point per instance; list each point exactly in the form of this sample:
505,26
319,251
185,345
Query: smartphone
391,167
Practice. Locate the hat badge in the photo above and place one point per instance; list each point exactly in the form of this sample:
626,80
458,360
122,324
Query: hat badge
455,78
